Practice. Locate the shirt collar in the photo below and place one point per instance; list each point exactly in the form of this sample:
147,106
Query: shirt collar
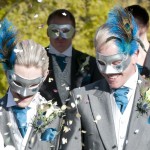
10,99
67,52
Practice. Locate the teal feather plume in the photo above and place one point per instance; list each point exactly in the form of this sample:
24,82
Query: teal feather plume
8,39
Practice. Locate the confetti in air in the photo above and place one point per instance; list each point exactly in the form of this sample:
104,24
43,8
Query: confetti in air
36,15
40,1
64,140
64,14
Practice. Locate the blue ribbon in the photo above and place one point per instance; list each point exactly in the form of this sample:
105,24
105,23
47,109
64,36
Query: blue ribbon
49,135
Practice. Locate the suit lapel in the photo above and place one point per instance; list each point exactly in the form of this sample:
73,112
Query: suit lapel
135,123
101,105
74,68
8,139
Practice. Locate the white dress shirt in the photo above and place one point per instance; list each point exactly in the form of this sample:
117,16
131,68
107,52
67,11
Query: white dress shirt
121,120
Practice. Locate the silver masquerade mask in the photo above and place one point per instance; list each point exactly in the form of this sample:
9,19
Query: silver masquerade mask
112,64
65,31
22,86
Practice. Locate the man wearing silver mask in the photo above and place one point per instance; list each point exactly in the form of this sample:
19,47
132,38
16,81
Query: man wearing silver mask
110,113
25,74
67,70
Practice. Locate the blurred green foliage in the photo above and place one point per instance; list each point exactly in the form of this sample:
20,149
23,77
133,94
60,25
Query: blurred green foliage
30,17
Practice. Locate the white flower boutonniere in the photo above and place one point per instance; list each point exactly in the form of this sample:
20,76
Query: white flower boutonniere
47,111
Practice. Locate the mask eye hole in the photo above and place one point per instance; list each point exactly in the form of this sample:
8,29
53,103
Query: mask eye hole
101,63
55,30
17,83
65,30
34,85
118,62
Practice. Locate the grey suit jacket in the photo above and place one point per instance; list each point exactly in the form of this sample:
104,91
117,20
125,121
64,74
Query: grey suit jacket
8,132
94,100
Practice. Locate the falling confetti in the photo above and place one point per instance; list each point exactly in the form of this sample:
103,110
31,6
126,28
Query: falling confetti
139,81
98,117
36,16
40,1
73,105
50,79
136,131
67,88
64,140
66,129
64,14
9,124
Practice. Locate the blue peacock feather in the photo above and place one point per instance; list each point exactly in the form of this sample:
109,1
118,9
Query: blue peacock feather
124,29
8,38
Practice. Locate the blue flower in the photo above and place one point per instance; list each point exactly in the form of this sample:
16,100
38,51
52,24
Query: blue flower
49,134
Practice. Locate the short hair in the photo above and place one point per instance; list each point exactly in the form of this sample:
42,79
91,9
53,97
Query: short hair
29,53
62,13
139,13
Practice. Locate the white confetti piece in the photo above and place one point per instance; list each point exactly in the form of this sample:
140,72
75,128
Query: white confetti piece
9,124
36,16
40,1
70,122
66,129
50,79
18,50
6,133
67,88
98,117
64,14
73,105
136,131
64,140
139,81
83,131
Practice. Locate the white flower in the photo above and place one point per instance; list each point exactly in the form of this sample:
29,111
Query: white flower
49,112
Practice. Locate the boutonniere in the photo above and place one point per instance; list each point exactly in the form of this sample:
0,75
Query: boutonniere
47,112
143,106
83,70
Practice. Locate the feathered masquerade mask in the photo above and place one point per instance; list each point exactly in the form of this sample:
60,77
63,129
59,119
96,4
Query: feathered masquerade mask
8,38
124,28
